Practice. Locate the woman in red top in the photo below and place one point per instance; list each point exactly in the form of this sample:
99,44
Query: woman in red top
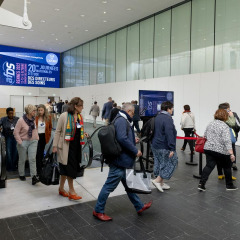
44,127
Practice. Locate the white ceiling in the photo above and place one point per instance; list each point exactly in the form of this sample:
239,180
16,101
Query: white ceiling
63,20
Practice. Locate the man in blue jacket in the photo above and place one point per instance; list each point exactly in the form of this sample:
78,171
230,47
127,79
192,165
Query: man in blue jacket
117,167
107,107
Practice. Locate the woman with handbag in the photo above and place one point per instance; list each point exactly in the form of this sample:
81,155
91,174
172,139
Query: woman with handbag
218,149
68,141
188,126
164,147
44,127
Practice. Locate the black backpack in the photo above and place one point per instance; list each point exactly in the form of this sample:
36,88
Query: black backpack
147,130
110,147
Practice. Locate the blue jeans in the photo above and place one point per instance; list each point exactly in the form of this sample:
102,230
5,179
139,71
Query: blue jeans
116,175
11,153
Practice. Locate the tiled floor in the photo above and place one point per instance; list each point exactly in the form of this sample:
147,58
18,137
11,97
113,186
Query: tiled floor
182,213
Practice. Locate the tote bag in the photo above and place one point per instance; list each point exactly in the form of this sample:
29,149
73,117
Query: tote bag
138,181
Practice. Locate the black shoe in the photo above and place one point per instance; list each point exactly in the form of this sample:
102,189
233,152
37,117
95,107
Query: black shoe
201,187
22,178
35,180
231,188
234,167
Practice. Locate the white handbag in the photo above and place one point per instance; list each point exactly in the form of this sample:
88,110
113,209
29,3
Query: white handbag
139,181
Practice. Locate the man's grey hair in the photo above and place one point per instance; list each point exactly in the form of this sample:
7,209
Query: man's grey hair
127,106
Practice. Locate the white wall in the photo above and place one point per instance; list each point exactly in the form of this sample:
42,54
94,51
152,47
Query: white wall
7,91
203,92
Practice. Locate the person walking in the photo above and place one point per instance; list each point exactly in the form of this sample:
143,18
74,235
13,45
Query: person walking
67,143
188,126
94,111
136,117
164,147
8,124
218,149
115,110
65,106
117,167
44,128
27,138
107,107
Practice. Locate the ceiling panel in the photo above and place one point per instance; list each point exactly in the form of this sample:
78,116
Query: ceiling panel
65,28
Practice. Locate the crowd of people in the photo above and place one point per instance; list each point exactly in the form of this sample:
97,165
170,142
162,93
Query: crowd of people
26,138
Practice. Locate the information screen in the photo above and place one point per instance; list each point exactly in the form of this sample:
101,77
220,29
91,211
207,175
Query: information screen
150,101
27,67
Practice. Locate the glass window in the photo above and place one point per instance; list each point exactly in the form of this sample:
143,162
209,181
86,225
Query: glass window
101,60
162,44
93,62
67,64
227,38
110,58
180,40
73,68
86,64
202,39
133,52
146,49
121,52
79,67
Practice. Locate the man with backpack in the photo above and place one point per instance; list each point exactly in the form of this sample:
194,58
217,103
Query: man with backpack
117,165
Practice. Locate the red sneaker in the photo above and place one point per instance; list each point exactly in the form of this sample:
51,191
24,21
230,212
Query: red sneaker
102,216
145,207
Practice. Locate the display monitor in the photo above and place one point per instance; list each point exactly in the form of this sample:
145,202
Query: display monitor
27,67
150,101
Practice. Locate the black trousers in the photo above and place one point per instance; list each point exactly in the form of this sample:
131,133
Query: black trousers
188,133
40,152
222,160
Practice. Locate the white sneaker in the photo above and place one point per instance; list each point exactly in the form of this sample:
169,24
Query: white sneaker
165,186
157,185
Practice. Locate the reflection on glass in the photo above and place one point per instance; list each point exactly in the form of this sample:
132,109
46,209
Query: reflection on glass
180,41
133,52
93,62
101,60
146,49
162,45
86,64
110,58
121,47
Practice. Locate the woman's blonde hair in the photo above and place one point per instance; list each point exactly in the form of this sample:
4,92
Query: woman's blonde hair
46,113
29,108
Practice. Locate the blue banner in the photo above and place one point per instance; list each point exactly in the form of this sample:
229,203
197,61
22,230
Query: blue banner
150,101
27,67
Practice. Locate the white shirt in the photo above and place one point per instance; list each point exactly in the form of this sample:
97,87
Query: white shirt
188,120
41,127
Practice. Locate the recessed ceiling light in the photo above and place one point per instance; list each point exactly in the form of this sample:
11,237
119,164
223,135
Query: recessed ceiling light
56,39
57,9
163,28
86,30
43,21
104,1
66,25
82,15
128,9
104,21
53,34
22,37
104,12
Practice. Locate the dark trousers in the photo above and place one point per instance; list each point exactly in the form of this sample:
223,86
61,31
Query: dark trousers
136,125
188,133
11,153
40,152
234,151
222,160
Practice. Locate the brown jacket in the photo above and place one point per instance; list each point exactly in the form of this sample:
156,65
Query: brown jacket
59,139
48,128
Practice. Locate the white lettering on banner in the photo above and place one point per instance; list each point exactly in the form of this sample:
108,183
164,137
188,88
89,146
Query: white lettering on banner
9,72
